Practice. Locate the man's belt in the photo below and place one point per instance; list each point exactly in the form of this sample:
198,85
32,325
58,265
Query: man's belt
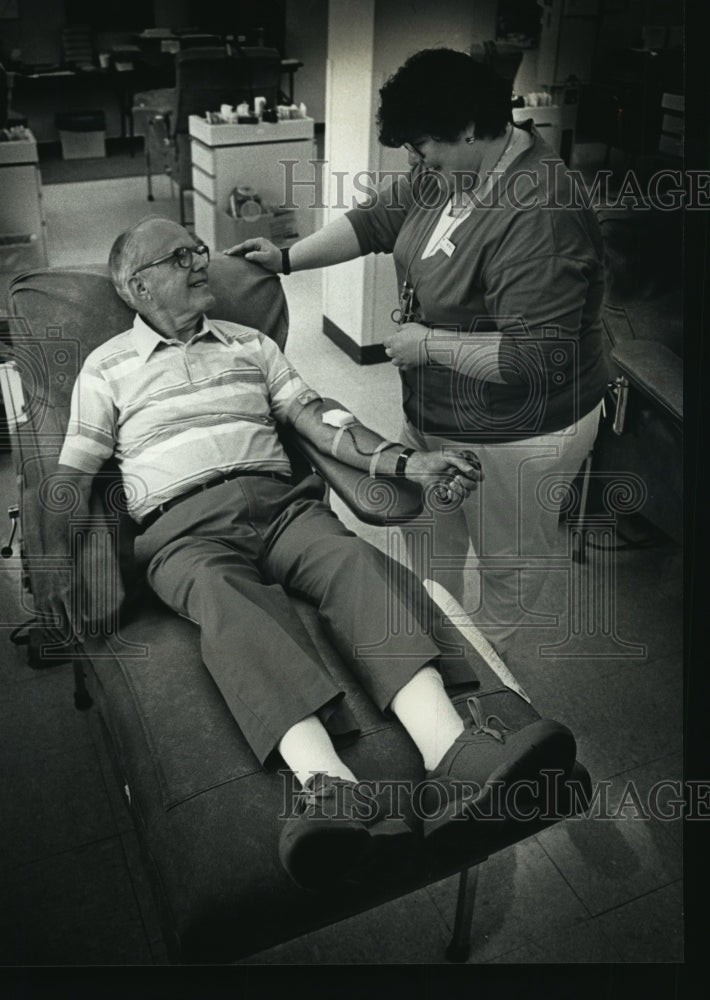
153,515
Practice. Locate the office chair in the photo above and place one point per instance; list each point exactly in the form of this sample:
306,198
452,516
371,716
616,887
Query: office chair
262,70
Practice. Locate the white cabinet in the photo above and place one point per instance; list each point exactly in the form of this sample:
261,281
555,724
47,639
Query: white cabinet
276,159
23,243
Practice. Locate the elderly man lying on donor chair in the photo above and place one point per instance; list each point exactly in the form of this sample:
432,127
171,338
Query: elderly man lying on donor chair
188,406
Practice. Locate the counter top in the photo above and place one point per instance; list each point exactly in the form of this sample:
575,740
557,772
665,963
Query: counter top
239,135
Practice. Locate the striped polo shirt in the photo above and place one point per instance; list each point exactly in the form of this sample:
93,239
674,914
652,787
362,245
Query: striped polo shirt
174,413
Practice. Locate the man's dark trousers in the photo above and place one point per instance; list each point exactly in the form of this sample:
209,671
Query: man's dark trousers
229,557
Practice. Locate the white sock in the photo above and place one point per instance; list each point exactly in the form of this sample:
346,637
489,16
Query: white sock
307,748
428,714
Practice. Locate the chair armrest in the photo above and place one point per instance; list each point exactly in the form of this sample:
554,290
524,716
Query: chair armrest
654,370
380,501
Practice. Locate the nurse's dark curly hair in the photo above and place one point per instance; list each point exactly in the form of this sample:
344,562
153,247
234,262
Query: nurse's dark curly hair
438,93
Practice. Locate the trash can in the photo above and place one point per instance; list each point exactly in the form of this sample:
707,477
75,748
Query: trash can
82,134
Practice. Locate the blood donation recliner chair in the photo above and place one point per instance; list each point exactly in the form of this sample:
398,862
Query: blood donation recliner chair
205,812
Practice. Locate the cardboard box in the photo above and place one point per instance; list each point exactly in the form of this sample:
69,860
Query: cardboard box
82,145
82,133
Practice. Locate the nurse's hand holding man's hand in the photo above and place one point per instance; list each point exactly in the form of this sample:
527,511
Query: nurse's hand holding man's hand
456,470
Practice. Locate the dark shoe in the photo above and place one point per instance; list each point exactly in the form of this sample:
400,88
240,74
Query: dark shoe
338,836
473,781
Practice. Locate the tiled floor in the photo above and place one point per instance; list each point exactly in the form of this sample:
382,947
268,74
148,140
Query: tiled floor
606,889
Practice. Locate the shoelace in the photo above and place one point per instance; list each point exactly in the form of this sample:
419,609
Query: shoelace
484,724
318,788
312,792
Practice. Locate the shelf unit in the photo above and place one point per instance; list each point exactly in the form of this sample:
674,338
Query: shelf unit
224,156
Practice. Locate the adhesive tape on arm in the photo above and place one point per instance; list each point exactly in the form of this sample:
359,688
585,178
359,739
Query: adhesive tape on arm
338,418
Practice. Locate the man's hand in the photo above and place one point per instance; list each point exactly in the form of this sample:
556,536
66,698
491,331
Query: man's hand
260,251
404,346
61,592
70,605
458,471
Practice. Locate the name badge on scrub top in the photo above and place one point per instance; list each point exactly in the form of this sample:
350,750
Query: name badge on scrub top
447,246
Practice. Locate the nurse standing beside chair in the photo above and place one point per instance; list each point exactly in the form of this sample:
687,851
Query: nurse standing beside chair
497,337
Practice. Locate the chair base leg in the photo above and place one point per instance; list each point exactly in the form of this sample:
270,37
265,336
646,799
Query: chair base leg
460,947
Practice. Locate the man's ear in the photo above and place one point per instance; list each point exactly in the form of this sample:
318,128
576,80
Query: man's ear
139,288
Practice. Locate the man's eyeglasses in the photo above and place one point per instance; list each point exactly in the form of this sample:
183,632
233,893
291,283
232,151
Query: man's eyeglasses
183,256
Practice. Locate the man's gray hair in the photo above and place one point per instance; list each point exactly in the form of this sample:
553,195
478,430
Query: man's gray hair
124,256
